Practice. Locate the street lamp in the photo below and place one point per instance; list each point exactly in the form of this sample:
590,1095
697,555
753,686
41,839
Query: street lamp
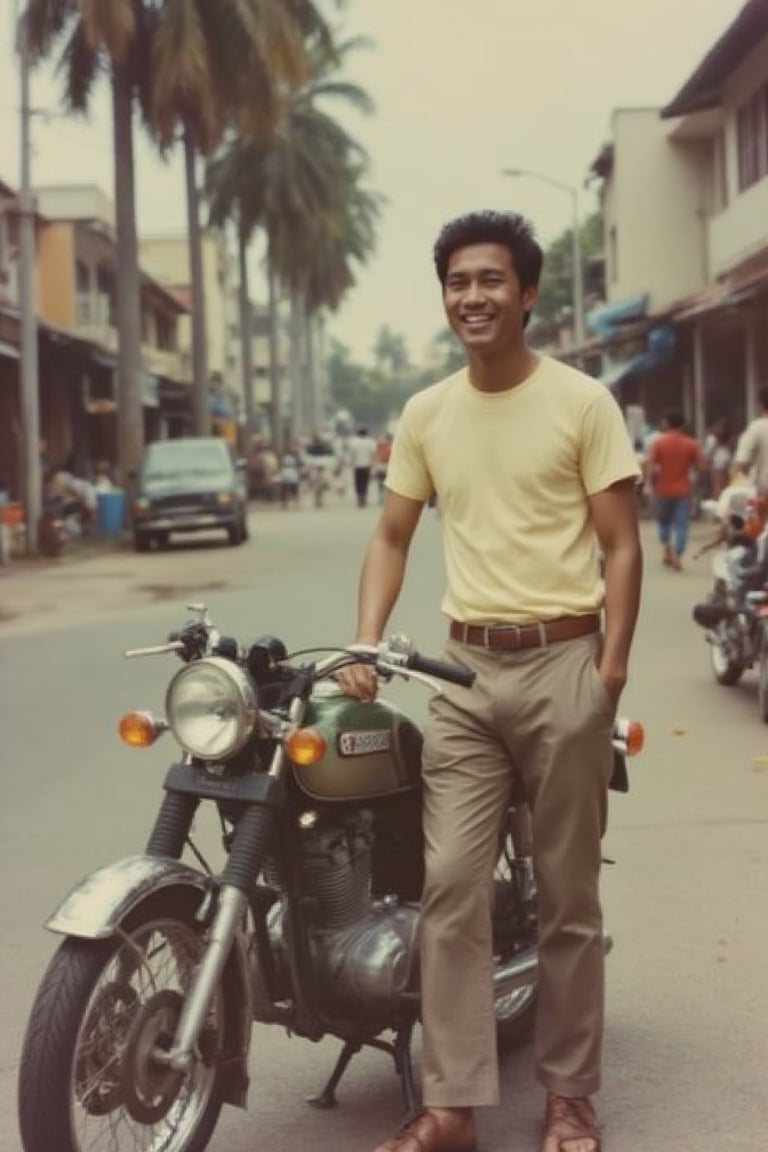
577,281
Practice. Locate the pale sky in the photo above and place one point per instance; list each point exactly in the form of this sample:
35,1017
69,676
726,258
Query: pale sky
462,90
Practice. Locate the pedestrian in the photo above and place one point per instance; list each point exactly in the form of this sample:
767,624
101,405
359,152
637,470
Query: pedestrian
673,458
752,449
533,466
289,478
381,463
362,452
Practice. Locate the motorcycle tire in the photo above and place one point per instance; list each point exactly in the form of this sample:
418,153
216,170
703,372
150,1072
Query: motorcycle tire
516,1012
725,670
762,684
86,1079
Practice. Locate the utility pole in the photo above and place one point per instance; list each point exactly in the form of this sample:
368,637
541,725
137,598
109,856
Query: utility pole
30,397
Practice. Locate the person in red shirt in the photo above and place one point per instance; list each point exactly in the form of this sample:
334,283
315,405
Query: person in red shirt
673,457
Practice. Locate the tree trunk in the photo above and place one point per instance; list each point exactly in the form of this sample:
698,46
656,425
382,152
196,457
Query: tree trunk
246,343
275,399
298,419
200,398
130,412
313,384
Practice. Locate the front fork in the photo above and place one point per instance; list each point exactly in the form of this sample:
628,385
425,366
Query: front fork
250,847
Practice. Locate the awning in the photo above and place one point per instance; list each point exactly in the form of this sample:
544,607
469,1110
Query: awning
605,319
661,347
718,301
614,377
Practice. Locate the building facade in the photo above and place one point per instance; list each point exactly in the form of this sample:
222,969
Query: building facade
75,277
684,192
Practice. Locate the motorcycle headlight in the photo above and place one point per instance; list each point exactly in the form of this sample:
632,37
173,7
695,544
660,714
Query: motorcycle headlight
211,708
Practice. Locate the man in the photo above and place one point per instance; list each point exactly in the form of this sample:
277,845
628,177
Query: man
530,460
673,457
752,450
362,453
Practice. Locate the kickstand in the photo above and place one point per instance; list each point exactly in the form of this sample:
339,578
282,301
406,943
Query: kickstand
400,1051
327,1098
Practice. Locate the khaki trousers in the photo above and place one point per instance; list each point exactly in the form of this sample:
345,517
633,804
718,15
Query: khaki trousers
543,714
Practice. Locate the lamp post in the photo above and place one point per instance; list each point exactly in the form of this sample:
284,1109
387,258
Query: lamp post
30,400
577,274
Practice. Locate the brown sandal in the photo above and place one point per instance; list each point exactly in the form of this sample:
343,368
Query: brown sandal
569,1118
425,1134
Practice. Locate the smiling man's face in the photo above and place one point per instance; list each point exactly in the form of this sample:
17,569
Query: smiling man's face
482,298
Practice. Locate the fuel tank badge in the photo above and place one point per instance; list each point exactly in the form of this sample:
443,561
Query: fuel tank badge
364,743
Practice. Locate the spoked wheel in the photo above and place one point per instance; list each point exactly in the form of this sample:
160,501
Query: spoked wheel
725,669
515,903
92,1073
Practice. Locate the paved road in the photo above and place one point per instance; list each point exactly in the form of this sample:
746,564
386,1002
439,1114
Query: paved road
687,1035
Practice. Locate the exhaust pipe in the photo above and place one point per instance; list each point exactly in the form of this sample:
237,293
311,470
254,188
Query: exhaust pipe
522,971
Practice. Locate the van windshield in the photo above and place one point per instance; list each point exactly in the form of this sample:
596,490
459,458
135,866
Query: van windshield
170,458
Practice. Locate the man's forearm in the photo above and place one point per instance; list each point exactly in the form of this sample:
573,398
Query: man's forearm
623,580
380,583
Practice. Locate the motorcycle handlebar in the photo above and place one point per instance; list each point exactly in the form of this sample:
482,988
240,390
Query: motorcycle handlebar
441,670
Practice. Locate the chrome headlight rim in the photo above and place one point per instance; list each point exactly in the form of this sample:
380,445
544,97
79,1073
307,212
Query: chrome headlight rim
238,693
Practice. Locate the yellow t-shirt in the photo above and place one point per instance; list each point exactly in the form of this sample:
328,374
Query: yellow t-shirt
512,472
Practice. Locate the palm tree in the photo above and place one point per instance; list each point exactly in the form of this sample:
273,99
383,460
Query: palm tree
305,189
110,38
215,65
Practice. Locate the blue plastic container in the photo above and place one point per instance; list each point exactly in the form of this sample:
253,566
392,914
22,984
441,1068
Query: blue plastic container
111,512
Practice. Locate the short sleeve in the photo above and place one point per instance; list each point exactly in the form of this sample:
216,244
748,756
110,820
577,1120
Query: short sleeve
745,449
606,452
407,472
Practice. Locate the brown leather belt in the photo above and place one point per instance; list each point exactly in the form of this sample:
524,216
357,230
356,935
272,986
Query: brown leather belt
511,637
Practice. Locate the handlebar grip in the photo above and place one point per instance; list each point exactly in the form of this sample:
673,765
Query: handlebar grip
440,669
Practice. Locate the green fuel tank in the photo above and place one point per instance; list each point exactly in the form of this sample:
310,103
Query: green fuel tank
374,749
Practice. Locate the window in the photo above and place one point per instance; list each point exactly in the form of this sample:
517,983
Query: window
166,332
752,138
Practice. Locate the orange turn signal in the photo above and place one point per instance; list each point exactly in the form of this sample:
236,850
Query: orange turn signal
139,729
635,737
306,746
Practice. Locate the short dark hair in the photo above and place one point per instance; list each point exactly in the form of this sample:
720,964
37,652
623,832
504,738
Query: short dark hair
762,397
675,418
510,229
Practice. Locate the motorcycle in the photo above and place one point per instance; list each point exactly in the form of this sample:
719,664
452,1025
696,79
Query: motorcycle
141,1026
735,613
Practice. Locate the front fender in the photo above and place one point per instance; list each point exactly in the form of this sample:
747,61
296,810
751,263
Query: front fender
99,903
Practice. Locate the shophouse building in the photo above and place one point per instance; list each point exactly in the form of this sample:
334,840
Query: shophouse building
684,191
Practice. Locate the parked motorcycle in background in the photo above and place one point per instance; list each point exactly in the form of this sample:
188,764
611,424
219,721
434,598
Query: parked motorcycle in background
141,1026
735,613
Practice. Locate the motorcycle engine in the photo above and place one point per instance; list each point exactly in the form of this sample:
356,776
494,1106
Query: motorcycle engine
362,947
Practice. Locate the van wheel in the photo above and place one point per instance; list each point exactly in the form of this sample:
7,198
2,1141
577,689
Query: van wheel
235,534
141,541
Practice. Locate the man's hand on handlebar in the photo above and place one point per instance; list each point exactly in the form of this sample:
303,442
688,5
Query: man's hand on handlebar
358,680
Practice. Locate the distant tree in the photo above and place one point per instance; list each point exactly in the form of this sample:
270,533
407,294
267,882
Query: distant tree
372,396
213,66
391,352
556,289
446,355
306,189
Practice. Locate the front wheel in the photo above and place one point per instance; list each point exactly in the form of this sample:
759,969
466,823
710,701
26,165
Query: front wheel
726,669
90,1077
